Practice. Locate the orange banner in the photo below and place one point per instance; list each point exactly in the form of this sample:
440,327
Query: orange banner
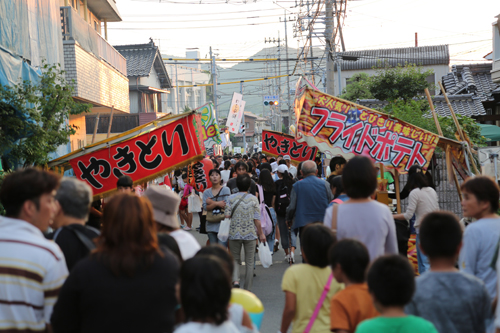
339,127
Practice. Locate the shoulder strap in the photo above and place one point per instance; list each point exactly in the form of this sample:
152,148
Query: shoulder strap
261,194
335,211
83,238
217,196
237,204
319,304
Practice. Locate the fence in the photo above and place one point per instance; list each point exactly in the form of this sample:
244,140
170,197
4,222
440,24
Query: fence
445,188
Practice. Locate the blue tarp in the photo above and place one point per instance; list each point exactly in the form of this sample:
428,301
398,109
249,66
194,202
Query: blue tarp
13,68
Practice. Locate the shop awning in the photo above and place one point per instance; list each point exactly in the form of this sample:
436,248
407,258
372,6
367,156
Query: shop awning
490,132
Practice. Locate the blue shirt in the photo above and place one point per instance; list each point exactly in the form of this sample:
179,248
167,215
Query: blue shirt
479,244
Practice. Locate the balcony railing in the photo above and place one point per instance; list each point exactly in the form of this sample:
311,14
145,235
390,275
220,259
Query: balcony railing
75,28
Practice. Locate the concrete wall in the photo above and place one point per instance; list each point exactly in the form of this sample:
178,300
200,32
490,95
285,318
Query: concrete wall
95,81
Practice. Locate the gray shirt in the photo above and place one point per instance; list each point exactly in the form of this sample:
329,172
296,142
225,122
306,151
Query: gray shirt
223,196
369,222
479,246
454,302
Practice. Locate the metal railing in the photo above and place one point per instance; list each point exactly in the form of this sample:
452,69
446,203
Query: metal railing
75,28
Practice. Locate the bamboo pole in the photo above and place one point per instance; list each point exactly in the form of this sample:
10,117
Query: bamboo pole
434,115
398,197
451,171
459,129
95,128
110,120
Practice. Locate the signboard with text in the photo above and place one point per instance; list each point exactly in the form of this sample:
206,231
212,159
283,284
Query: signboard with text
276,143
142,157
339,127
235,113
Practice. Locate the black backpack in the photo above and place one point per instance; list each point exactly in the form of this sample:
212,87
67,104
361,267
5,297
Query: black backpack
282,199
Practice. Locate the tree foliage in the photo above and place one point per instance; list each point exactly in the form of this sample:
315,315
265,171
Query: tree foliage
358,88
34,118
403,89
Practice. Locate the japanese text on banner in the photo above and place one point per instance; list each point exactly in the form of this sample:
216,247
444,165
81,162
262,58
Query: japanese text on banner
141,157
274,144
338,127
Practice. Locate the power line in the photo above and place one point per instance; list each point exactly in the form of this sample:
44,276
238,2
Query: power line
182,28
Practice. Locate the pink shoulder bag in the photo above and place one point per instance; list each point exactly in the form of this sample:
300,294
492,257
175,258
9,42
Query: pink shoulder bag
319,305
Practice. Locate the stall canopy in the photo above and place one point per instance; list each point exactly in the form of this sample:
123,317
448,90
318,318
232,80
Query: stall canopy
339,127
490,132
143,153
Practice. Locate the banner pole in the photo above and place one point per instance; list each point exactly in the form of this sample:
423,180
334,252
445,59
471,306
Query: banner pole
434,115
110,121
95,127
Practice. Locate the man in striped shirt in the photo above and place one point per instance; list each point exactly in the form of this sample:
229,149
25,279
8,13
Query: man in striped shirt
32,269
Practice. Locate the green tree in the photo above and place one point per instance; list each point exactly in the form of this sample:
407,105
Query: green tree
358,88
394,83
34,118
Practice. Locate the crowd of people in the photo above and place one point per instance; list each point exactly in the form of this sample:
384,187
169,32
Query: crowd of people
130,263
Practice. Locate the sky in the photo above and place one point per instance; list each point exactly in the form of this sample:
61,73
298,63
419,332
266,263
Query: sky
238,28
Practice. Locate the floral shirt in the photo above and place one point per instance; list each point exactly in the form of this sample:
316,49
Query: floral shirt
242,222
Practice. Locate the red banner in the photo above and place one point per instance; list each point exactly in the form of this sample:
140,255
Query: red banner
143,157
275,143
339,127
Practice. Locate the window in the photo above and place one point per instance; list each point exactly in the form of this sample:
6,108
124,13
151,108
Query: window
247,125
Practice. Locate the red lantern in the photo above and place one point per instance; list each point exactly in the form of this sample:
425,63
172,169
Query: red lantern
200,170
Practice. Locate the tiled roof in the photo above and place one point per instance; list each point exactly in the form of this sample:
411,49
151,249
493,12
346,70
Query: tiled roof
141,59
421,55
465,105
470,79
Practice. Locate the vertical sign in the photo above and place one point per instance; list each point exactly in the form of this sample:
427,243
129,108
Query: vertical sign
235,113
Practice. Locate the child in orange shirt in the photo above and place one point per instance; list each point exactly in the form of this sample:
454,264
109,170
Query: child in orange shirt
349,260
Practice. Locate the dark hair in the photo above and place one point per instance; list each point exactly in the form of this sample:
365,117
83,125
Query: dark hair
128,234
216,163
337,160
227,164
245,156
484,189
216,171
353,258
243,182
272,160
417,180
26,185
316,239
359,177
124,181
287,181
266,180
205,289
391,280
336,183
220,252
440,235
250,167
282,161
266,166
169,242
241,164
299,168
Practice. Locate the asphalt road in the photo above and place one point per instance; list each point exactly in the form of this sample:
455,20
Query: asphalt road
266,285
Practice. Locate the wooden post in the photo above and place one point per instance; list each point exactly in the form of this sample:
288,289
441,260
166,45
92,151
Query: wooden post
110,120
398,197
451,172
434,115
459,129
95,127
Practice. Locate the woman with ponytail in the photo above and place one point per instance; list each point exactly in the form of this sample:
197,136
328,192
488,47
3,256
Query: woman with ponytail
284,187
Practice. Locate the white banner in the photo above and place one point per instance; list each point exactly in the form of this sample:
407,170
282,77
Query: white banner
235,113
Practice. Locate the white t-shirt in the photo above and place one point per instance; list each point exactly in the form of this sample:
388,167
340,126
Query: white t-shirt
293,171
188,245
192,327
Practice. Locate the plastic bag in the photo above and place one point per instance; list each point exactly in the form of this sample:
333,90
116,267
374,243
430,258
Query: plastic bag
223,234
265,255
194,204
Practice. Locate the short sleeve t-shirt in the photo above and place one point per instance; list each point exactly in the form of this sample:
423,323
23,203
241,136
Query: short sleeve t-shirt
453,301
351,306
408,324
268,198
307,283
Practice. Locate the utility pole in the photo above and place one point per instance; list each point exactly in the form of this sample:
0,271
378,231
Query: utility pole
176,90
243,119
214,86
288,77
280,116
330,48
